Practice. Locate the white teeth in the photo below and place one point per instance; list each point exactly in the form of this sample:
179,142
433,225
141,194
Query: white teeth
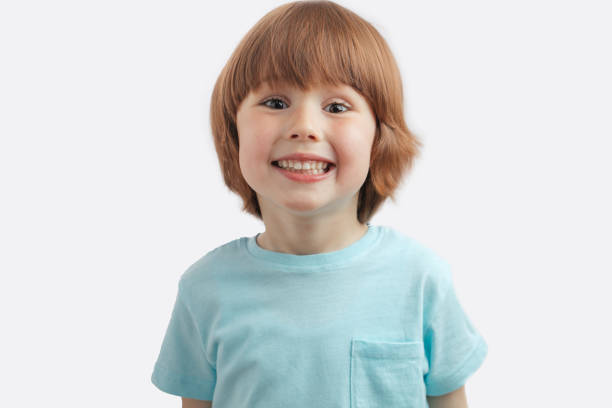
304,167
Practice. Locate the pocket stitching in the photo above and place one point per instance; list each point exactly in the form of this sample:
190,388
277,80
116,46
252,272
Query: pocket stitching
367,350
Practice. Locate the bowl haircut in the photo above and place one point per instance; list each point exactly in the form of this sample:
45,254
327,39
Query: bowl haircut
301,44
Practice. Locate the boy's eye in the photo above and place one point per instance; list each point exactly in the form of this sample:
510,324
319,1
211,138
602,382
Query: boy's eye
277,103
338,104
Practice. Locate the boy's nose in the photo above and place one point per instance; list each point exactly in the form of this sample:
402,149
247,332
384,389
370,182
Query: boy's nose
304,134
303,125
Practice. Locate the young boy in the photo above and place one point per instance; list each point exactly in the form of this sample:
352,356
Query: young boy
322,309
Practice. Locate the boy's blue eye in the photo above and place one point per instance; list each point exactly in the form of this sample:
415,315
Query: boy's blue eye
276,104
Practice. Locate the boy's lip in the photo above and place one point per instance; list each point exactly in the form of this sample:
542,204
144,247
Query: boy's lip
304,156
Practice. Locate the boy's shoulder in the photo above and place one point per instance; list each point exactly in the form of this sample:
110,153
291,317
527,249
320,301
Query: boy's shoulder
410,245
213,261
395,245
416,255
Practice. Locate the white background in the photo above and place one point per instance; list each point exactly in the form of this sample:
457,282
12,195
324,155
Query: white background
111,186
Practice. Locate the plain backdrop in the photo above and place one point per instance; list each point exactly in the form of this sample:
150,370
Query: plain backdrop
110,185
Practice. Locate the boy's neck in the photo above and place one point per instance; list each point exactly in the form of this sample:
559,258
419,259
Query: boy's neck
313,239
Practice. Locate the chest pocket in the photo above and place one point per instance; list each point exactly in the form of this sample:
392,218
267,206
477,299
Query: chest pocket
387,374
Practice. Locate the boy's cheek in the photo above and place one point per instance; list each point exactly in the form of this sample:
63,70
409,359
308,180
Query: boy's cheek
253,153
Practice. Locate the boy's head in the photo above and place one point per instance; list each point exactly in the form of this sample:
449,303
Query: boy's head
317,42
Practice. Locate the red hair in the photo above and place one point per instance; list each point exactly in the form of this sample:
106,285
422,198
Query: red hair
308,42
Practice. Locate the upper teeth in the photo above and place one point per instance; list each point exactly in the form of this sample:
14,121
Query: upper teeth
306,165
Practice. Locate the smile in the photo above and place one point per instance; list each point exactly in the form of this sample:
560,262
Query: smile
304,167
310,173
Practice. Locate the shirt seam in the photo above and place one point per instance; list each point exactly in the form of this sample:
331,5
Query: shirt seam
185,379
437,382
323,266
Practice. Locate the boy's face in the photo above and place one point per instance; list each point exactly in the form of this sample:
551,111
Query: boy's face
335,123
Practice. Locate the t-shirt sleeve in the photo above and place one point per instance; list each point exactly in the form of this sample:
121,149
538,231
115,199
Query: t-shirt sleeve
182,367
453,346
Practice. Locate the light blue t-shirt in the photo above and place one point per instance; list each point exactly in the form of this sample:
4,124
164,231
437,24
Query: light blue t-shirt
375,324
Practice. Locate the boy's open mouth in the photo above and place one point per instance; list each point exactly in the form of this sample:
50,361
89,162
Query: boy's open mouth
327,169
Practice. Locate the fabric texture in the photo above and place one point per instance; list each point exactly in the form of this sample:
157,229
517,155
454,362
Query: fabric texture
375,324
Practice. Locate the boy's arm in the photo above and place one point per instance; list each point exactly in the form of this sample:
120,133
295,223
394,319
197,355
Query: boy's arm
194,403
455,399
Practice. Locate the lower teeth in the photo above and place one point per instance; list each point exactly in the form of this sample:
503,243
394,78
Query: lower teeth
309,172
